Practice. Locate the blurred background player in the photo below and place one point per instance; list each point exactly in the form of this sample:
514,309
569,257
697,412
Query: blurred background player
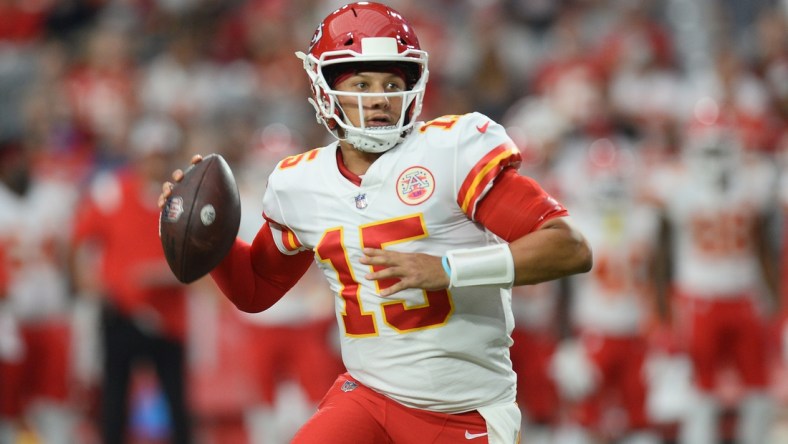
717,201
143,305
600,370
35,216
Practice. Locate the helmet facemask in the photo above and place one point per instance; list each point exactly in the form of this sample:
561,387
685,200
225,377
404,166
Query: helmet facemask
322,73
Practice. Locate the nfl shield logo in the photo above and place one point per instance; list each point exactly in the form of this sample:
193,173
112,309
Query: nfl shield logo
173,209
348,386
361,201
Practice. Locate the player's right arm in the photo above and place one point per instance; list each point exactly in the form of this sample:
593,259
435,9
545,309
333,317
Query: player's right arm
254,276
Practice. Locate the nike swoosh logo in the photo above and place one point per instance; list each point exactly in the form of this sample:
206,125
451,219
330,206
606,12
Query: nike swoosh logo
483,129
469,435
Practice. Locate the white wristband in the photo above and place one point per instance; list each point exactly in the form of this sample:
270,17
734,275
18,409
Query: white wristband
490,265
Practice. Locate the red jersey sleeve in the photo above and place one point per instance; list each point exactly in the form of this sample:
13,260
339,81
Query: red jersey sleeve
516,205
254,277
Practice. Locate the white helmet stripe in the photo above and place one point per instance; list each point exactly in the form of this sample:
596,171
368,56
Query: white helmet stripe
379,46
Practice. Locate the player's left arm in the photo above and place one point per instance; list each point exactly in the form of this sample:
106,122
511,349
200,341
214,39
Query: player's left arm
544,245
765,225
543,242
542,239
768,257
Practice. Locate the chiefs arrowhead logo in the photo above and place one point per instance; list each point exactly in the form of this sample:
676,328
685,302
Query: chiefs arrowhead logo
483,129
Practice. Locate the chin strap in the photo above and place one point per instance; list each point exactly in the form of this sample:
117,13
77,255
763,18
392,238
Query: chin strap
369,143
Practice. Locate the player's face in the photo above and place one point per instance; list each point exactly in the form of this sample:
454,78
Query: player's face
375,111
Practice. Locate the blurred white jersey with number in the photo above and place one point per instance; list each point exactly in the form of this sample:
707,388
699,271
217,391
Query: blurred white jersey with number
713,226
444,351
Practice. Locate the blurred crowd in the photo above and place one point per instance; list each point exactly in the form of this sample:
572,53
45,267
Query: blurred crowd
661,125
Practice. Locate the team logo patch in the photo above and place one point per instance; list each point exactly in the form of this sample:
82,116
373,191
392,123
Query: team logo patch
173,209
348,386
415,185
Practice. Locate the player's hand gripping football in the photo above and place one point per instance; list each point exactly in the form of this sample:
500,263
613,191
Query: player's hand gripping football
177,176
413,270
200,217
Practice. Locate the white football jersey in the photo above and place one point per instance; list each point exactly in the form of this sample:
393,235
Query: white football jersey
712,227
32,229
444,351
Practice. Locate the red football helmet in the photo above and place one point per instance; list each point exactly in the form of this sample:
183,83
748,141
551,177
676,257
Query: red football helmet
381,39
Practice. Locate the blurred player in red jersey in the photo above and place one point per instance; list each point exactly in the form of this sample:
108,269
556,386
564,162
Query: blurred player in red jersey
143,304
420,228
35,213
717,201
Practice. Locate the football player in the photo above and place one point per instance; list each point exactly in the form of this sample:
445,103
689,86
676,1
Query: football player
716,203
35,304
612,305
420,228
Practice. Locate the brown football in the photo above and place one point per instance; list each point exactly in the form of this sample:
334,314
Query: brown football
200,220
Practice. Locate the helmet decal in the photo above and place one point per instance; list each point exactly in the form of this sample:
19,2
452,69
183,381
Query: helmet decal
316,37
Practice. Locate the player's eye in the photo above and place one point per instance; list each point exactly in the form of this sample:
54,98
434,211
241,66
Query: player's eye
395,86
